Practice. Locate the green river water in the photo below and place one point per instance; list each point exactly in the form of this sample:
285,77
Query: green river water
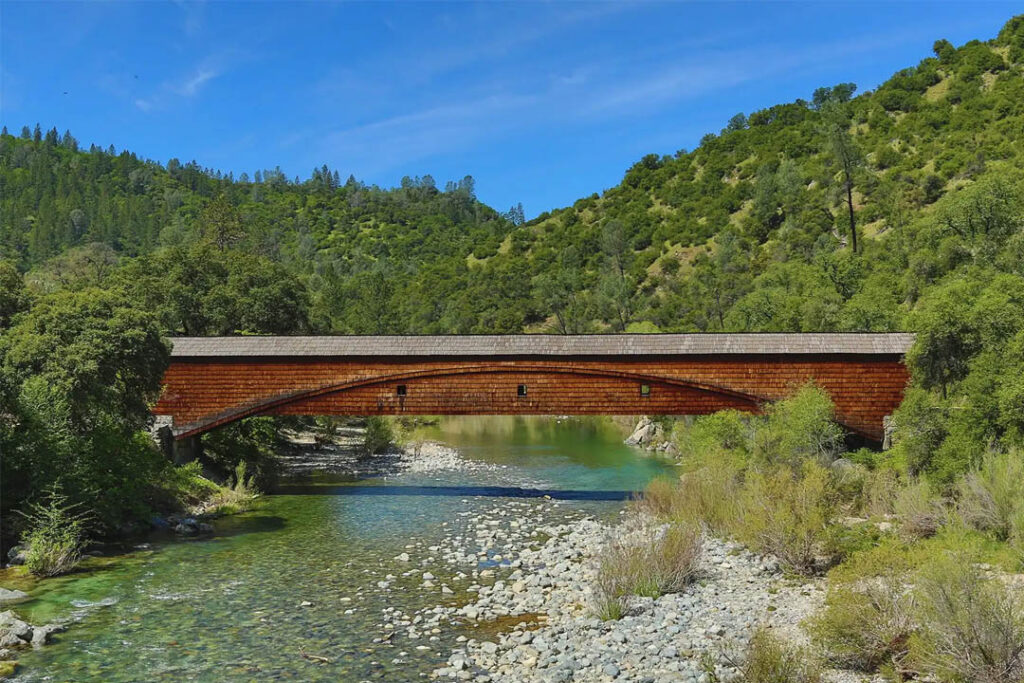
230,607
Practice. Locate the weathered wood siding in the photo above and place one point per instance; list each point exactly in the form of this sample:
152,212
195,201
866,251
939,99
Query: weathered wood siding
202,393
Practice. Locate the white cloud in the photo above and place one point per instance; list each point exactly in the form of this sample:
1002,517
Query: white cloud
188,86
591,93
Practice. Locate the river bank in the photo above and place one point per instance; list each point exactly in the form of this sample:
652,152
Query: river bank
547,599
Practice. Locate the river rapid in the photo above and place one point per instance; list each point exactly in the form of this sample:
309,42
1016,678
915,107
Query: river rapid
315,583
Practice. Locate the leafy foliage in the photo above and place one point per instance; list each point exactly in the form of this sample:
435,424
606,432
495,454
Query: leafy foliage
379,435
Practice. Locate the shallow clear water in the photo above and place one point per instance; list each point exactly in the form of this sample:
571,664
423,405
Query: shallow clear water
230,607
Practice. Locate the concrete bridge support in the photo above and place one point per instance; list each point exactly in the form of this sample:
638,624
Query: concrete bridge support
178,451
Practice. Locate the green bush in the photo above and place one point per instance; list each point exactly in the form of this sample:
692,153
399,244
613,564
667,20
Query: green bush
865,624
789,515
379,435
919,511
770,659
56,534
186,485
992,497
971,626
664,561
800,428
727,431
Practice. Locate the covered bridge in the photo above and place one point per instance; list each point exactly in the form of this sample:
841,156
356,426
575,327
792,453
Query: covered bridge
212,381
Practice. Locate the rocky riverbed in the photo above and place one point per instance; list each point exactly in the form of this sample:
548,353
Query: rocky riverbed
16,635
518,588
545,578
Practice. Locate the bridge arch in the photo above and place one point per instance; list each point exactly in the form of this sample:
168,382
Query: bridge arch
390,402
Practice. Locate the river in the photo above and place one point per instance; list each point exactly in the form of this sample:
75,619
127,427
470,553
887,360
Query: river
295,589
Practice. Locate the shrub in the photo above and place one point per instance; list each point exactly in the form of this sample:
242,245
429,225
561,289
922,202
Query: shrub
920,513
789,515
850,481
799,428
991,498
660,498
865,624
972,627
880,493
1017,536
379,435
770,659
239,496
657,563
55,534
186,485
727,431
709,495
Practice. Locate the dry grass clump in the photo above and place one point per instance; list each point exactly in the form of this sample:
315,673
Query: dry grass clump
771,510
920,513
865,625
770,659
648,566
661,499
971,627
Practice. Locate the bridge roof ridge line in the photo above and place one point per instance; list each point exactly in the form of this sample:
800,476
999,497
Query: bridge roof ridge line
771,343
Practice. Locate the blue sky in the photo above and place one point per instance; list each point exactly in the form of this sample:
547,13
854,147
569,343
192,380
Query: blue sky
542,102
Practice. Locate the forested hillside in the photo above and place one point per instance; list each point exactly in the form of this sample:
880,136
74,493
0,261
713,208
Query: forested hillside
901,208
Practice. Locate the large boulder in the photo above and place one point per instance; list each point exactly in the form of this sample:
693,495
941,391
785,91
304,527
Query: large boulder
647,431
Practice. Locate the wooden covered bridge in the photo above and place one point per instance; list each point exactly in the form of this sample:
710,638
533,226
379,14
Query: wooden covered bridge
213,381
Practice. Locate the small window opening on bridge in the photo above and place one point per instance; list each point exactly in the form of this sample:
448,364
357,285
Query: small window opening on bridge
521,390
401,390
645,390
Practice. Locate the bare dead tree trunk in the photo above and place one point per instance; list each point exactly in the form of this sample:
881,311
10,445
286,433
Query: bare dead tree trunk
849,204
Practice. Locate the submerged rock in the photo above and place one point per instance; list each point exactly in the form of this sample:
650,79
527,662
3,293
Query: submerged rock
10,597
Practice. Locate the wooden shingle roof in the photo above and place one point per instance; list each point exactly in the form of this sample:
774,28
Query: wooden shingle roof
543,345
